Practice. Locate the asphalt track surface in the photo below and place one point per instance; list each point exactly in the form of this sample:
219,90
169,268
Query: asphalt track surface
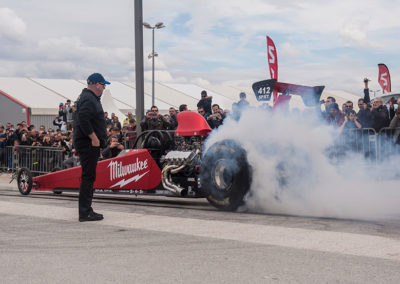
173,240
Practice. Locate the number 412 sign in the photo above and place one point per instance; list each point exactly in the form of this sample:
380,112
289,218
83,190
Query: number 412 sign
263,89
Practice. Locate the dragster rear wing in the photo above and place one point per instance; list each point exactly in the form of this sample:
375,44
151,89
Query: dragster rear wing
264,90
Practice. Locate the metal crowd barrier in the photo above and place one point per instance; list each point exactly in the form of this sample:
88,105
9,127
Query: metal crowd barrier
375,147
38,159
362,141
388,142
6,158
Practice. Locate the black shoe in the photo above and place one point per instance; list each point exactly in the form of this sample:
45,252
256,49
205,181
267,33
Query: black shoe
92,216
98,214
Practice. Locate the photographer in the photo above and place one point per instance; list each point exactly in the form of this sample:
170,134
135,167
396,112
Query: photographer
351,121
68,112
26,139
205,102
216,119
367,98
58,122
154,121
113,149
61,113
47,141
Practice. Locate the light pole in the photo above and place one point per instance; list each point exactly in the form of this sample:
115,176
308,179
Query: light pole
377,91
153,54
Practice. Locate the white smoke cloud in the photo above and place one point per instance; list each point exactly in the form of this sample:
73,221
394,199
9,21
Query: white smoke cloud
294,173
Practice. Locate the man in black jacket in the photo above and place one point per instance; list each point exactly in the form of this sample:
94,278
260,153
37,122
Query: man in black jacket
380,115
154,120
379,112
364,114
205,102
89,135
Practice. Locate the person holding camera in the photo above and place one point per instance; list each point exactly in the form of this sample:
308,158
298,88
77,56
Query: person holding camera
26,139
205,102
113,149
215,120
68,113
351,121
154,121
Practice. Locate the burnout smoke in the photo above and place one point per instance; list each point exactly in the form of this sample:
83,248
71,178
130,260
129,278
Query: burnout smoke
293,171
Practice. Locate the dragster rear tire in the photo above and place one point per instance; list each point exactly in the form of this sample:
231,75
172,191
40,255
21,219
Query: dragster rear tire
24,181
225,175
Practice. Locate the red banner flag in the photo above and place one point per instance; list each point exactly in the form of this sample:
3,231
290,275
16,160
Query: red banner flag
272,61
384,78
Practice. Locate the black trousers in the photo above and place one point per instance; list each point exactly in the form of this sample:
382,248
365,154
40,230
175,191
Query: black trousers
88,158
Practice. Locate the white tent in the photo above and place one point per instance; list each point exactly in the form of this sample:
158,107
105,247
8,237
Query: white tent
41,97
232,92
109,105
195,92
70,89
172,97
162,104
341,97
41,100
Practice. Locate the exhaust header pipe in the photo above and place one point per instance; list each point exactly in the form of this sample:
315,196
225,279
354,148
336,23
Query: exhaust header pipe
167,182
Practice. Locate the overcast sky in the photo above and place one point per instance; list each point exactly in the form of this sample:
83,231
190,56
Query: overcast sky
331,43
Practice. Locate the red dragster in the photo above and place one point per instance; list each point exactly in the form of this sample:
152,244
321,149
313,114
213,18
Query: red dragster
174,165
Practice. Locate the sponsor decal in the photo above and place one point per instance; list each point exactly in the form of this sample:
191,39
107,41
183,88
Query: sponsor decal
124,182
118,170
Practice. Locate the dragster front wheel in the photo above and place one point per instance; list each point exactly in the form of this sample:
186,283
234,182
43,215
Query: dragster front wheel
225,175
24,181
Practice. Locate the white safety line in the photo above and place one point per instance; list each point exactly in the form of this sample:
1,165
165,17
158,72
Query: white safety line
323,241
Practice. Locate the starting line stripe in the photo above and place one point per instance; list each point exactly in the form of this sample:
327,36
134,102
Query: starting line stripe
323,241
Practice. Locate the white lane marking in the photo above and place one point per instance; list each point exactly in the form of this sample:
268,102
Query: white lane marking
323,241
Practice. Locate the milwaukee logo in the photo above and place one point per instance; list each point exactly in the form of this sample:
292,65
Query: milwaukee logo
118,170
124,182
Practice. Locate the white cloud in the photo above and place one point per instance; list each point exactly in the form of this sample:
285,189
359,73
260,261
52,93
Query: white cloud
289,51
11,26
355,34
213,41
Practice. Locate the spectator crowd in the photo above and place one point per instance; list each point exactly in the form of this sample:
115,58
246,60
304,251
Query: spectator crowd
122,133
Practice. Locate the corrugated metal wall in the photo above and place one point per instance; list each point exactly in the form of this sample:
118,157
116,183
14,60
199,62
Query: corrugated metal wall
46,120
11,111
